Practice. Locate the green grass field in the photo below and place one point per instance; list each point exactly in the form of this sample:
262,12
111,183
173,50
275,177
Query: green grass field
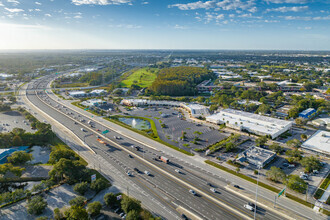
142,77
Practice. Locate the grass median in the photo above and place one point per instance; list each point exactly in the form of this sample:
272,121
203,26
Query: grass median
264,185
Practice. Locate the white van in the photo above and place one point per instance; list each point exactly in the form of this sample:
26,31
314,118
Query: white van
247,206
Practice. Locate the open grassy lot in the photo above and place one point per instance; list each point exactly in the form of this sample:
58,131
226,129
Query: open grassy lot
142,77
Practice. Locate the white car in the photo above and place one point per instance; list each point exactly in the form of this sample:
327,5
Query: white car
82,129
147,173
213,190
247,206
177,170
192,192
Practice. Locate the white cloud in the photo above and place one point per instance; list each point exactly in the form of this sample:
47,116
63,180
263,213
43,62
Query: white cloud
306,18
218,5
14,10
37,9
128,26
288,1
288,9
15,2
38,3
77,17
48,15
180,27
1,4
100,2
145,3
220,17
195,5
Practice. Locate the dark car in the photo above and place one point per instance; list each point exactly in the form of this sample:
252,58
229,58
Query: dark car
184,217
237,186
209,184
130,156
137,170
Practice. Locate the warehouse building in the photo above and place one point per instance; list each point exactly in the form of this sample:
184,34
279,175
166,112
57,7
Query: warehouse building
77,94
256,156
318,142
307,113
250,122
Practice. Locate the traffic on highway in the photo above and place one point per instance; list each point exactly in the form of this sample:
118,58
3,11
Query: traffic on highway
172,182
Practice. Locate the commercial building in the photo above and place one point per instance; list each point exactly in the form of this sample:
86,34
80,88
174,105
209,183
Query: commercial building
287,86
256,156
77,94
318,142
250,122
97,92
322,122
80,94
196,110
307,113
93,102
145,102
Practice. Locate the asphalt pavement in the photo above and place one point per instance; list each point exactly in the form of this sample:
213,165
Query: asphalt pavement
158,184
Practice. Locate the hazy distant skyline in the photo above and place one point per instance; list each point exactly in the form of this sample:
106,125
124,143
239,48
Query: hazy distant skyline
165,24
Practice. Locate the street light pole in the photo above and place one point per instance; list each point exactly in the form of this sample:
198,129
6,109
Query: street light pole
255,203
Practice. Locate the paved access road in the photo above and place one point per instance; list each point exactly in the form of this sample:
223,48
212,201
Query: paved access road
160,184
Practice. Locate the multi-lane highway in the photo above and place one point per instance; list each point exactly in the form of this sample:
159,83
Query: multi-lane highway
168,186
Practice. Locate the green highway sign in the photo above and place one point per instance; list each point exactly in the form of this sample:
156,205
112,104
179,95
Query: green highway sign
280,193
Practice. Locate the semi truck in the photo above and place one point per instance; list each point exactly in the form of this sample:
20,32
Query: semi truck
164,159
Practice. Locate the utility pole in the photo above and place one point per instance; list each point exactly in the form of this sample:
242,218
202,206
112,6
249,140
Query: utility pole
255,204
307,192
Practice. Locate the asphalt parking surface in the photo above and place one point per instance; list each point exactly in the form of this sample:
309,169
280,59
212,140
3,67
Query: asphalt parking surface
176,126
13,119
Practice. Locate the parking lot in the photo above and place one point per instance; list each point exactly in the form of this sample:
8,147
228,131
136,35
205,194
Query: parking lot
175,127
13,119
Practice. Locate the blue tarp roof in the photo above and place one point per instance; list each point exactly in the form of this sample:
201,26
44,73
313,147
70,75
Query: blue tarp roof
4,153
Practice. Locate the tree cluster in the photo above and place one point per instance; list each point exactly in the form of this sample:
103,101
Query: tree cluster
179,81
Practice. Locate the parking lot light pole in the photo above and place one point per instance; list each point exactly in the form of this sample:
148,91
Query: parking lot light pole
255,203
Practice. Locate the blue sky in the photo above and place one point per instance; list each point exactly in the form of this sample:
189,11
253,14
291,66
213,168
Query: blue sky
165,24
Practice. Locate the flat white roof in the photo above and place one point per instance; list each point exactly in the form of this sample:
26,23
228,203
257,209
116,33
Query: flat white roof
98,91
77,93
249,120
319,141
